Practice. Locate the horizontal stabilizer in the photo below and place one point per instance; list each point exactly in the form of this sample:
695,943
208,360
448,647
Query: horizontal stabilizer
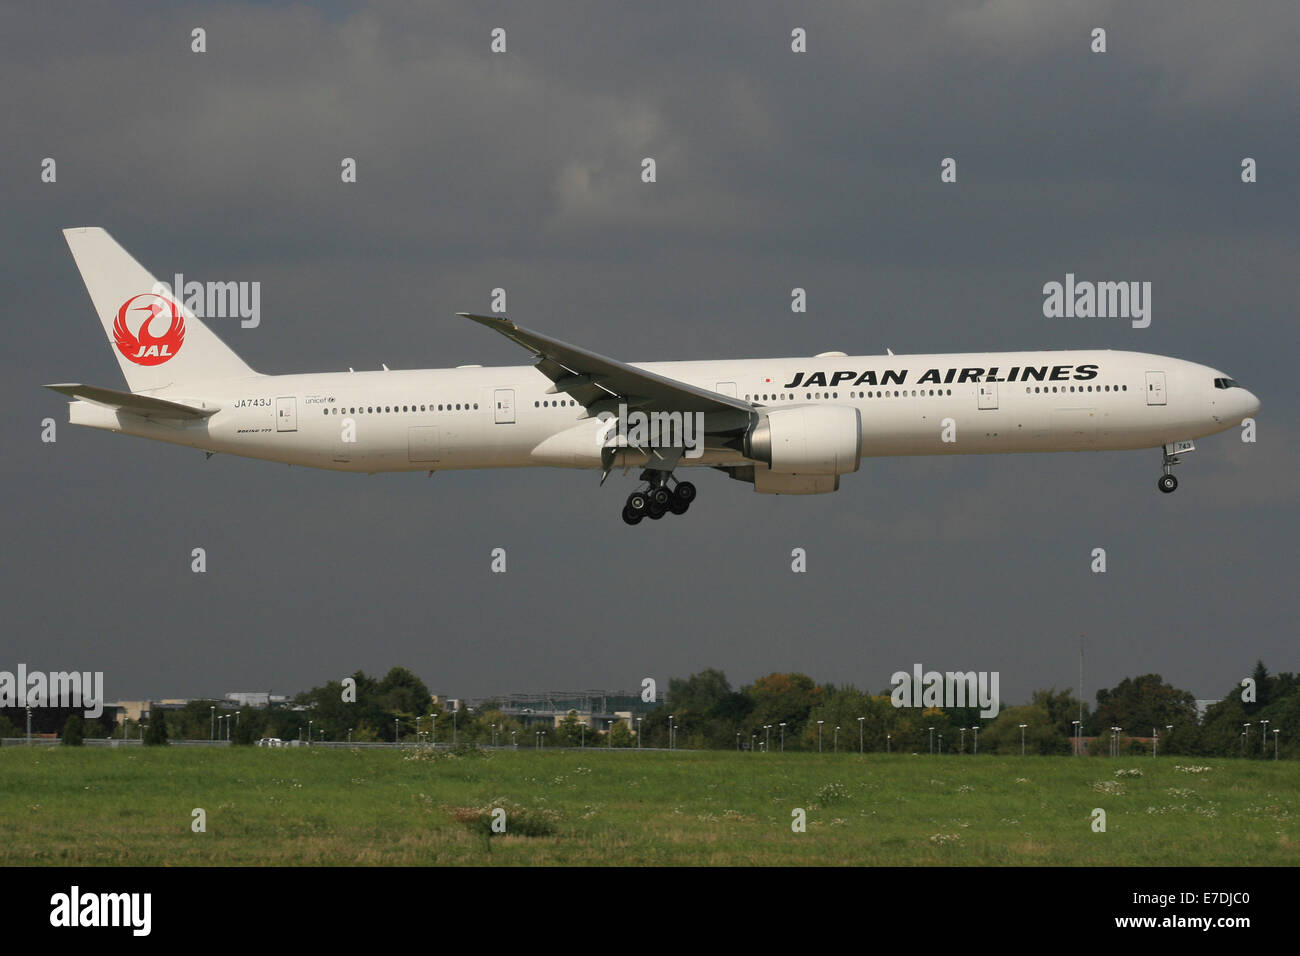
141,405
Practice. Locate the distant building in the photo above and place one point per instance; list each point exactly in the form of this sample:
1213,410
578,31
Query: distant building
256,699
597,709
584,719
135,710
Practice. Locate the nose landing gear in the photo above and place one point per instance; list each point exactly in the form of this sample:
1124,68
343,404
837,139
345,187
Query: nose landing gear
1167,482
657,500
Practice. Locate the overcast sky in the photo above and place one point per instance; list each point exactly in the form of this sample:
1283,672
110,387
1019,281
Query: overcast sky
775,170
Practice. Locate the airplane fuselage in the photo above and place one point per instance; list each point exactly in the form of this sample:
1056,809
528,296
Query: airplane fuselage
501,417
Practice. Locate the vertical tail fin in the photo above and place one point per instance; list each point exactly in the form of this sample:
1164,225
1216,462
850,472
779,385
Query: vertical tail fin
157,341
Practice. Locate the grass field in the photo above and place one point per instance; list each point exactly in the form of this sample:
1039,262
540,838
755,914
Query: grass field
75,806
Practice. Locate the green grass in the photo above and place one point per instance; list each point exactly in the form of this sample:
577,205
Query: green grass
74,806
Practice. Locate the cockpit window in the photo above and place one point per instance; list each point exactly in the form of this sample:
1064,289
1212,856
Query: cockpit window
1225,383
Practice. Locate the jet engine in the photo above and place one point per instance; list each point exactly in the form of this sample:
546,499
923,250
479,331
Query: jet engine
807,440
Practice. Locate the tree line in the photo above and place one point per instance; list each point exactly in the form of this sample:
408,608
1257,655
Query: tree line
787,711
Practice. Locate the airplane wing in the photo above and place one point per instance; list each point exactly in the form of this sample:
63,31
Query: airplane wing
600,383
141,405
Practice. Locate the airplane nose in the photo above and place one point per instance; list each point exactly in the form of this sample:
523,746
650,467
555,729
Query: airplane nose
1252,405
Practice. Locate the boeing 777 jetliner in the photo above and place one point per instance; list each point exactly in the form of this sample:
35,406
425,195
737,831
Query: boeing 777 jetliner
787,426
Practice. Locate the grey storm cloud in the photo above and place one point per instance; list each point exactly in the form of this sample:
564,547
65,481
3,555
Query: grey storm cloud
775,170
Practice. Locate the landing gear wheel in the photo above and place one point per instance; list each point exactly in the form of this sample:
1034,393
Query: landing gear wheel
637,503
1167,483
659,496
684,492
630,517
656,510
678,507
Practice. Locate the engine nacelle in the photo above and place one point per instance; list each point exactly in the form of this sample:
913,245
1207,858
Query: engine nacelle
808,440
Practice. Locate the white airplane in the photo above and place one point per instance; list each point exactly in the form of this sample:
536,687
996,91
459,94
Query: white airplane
786,426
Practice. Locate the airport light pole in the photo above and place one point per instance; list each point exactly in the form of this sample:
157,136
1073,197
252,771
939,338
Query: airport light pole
349,735
782,725
767,738
941,745
1022,739
888,738
1263,744
309,723
819,735
397,729
1245,736
638,733
433,733
961,742
837,738
513,740
670,731
860,744
213,709
976,728
1078,732
1155,740
454,714
737,741
931,740
1276,731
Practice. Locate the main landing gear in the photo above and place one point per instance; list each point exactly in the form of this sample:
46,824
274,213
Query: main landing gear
657,500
